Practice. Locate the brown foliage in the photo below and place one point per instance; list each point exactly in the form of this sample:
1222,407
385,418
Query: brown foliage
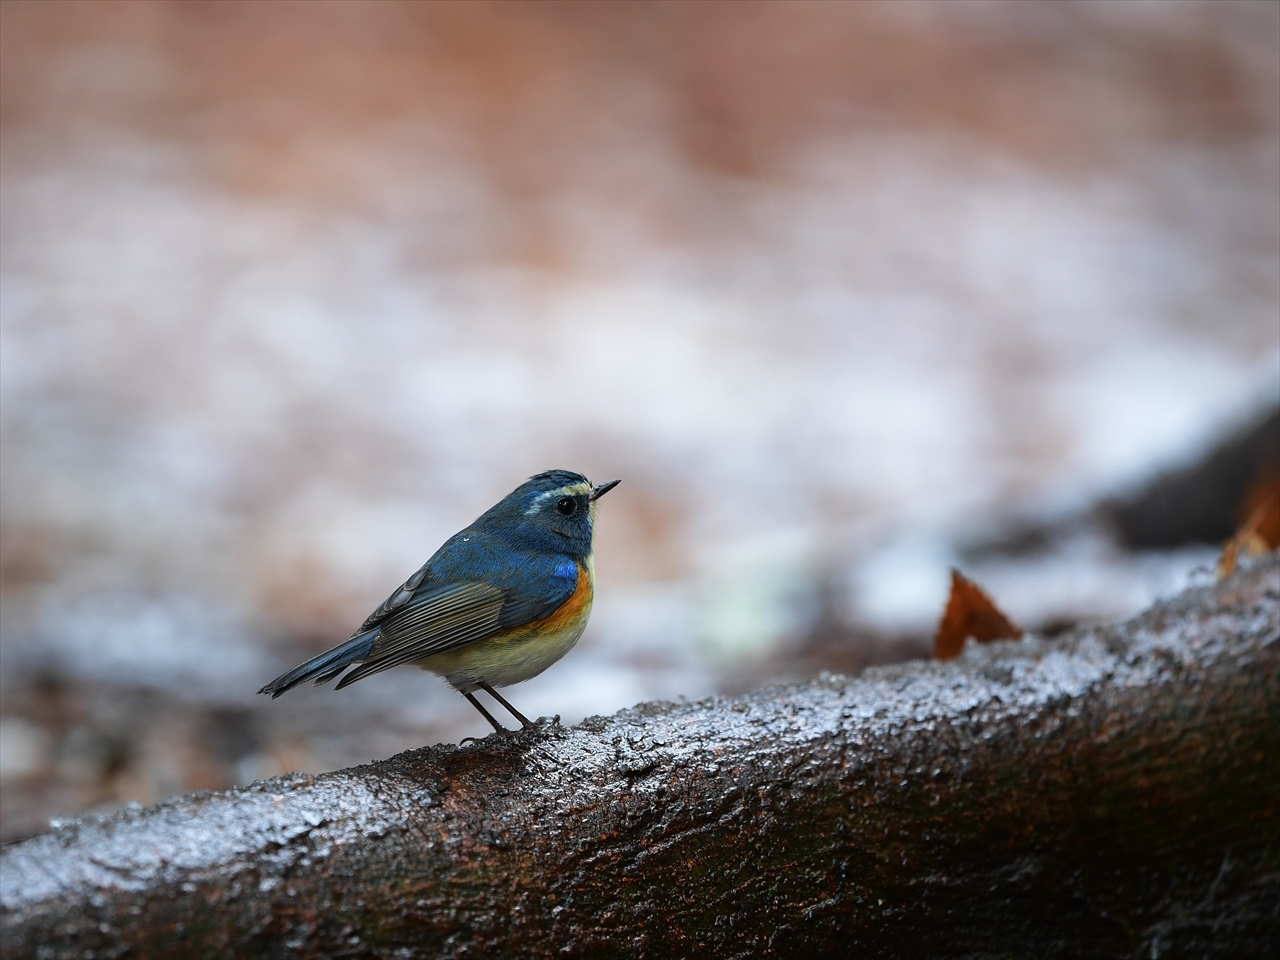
1260,532
969,613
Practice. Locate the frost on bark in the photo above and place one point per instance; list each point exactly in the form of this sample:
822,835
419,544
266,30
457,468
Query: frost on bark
1113,792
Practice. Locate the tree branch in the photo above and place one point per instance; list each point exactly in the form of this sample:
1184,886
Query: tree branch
1113,792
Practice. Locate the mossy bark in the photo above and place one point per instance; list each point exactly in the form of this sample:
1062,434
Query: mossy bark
1114,792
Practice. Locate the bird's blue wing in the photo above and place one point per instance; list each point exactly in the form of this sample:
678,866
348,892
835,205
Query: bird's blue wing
438,613
403,594
533,585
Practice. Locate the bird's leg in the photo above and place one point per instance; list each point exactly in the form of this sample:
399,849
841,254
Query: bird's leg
524,721
485,713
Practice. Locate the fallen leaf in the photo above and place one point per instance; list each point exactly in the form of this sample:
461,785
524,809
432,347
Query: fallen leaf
969,613
1260,532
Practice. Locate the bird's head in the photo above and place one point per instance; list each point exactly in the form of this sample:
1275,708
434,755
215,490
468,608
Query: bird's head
552,511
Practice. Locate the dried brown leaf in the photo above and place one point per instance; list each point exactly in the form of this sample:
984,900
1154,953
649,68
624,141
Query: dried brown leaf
969,613
1260,532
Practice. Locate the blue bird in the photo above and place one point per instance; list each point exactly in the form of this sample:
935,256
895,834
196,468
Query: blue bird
498,603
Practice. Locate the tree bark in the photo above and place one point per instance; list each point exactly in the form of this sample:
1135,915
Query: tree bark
1114,792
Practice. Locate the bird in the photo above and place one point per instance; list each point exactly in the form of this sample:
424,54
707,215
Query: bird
497,604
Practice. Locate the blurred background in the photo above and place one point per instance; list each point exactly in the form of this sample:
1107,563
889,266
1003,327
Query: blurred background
845,293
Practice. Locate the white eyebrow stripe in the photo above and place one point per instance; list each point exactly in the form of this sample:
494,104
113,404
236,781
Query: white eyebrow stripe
572,490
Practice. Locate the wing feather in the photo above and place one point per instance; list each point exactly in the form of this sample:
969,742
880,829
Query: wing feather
449,616
397,600
431,614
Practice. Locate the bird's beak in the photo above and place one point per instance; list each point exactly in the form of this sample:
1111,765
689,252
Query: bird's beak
600,490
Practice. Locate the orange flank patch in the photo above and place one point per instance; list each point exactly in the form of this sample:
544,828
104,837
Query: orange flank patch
969,613
569,613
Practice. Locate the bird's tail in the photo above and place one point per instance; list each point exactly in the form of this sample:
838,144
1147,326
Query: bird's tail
326,666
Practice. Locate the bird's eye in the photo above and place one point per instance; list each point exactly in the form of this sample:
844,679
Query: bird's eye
566,505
